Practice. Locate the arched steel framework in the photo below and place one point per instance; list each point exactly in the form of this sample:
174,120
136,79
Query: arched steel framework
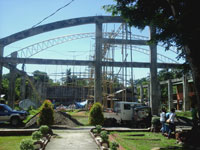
58,25
34,49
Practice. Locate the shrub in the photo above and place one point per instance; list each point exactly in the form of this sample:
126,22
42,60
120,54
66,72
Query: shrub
114,146
94,131
104,136
36,135
96,115
98,128
26,145
46,116
155,121
44,129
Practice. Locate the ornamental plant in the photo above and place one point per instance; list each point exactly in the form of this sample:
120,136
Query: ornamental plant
37,135
27,145
96,116
104,136
46,116
114,146
44,129
155,121
98,128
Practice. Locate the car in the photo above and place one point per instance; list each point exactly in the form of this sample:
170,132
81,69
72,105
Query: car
15,117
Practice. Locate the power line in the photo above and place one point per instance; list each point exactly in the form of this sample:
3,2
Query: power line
53,13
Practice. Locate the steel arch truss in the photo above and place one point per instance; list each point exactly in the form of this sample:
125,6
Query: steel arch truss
34,49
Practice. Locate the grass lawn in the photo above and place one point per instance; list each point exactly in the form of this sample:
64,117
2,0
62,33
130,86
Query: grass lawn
186,114
32,113
143,140
11,142
82,120
80,115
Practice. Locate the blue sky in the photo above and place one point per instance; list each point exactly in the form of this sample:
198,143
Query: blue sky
18,15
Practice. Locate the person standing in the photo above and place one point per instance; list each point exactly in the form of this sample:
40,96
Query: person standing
171,122
162,120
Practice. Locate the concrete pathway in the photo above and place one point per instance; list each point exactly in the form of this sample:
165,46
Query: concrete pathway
72,139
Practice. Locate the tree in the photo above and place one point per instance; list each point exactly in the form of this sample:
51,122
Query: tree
144,80
40,76
5,85
69,79
176,25
46,116
96,116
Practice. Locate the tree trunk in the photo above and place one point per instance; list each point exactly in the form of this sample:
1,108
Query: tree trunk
194,62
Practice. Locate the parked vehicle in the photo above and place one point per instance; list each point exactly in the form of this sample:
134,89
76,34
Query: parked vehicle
15,117
130,114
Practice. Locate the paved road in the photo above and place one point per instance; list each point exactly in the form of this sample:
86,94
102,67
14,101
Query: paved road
75,139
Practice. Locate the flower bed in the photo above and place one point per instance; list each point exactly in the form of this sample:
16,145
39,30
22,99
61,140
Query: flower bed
39,140
102,139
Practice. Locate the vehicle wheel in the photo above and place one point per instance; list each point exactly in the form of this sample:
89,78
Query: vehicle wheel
15,121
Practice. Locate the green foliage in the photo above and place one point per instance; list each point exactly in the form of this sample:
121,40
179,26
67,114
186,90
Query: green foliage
152,140
5,85
114,146
44,129
96,115
94,130
104,136
98,128
186,114
32,112
40,76
145,80
36,135
26,145
46,116
155,121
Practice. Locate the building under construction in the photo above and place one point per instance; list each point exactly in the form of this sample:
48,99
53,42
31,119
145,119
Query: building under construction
109,68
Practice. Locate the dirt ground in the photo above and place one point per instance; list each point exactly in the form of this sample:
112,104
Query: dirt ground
60,119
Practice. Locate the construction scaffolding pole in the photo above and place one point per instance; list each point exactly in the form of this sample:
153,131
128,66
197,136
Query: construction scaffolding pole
131,55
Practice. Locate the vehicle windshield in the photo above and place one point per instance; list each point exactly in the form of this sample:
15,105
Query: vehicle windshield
8,108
